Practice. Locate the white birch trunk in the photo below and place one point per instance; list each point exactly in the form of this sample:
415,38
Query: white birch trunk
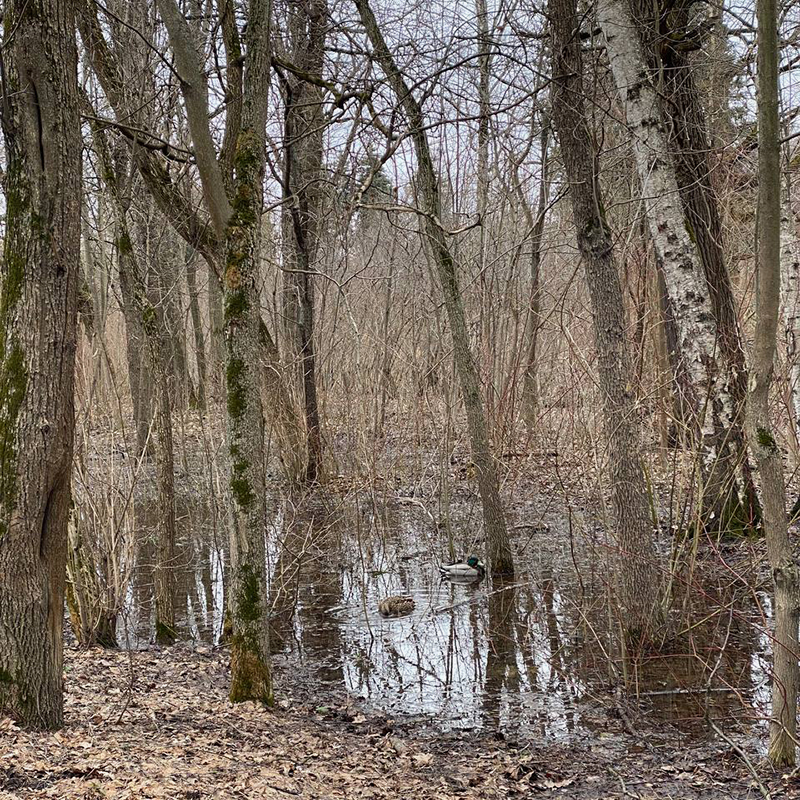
708,391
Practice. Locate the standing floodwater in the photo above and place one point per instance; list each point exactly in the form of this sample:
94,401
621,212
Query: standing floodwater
538,656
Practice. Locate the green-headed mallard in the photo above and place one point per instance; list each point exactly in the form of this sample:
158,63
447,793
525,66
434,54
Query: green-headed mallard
472,569
398,605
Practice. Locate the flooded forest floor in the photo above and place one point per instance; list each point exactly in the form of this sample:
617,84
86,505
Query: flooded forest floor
150,724
485,690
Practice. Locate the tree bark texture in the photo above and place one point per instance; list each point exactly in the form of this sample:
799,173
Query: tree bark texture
707,390
780,552
637,570
667,40
38,319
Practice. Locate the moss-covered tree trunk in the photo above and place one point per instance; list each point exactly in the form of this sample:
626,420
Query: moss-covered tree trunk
250,672
251,677
38,315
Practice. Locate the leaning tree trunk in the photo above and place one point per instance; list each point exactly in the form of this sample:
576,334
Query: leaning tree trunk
38,319
637,570
782,558
706,390
499,547
689,139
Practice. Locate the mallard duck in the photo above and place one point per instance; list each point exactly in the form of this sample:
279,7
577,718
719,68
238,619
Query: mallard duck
398,605
472,569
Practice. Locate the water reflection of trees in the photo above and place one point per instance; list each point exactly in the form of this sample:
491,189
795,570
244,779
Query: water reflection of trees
498,655
502,674
197,567
306,584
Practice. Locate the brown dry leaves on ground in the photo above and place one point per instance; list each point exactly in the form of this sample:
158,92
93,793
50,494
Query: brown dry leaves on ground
159,725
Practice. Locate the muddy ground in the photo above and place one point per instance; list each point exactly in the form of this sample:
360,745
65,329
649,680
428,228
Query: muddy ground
152,724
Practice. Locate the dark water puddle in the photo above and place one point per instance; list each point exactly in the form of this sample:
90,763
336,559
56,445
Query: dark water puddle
538,657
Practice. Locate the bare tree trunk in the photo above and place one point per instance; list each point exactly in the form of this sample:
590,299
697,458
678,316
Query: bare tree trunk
164,572
637,567
385,363
500,554
530,390
703,380
790,279
197,326
38,328
134,350
158,347
135,346
168,263
689,139
303,136
781,554
216,318
285,423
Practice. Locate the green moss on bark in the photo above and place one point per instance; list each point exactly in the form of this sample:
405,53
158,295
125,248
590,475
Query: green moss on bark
165,634
237,393
13,385
249,595
252,679
240,484
766,440
236,305
124,244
